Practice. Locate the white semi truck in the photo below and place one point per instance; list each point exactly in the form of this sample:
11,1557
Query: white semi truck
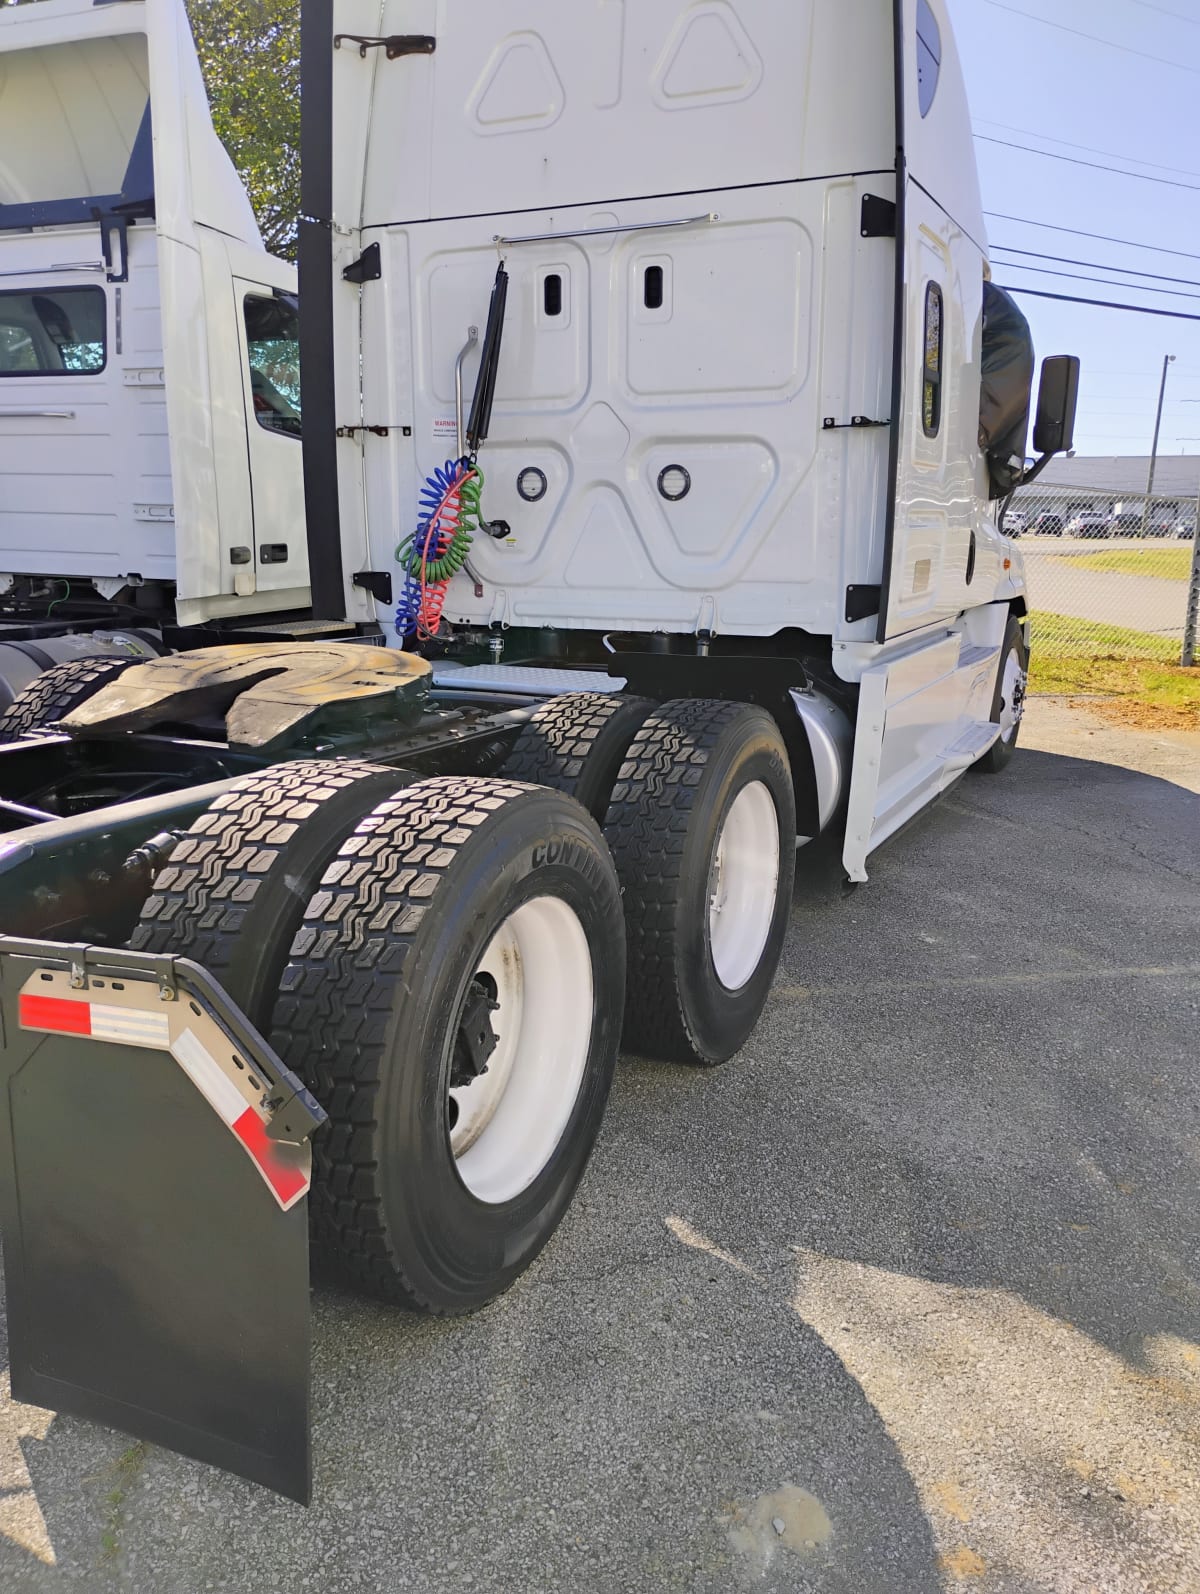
657,420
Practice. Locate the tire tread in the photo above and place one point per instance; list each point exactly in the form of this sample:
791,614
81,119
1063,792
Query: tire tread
647,828
58,690
334,1011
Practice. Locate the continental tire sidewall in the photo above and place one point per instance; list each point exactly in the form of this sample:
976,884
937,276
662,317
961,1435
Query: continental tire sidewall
471,1249
721,1019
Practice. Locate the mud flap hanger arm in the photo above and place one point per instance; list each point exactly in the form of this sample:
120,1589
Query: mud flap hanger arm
294,1114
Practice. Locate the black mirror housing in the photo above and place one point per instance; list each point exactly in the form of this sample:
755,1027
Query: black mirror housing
1058,400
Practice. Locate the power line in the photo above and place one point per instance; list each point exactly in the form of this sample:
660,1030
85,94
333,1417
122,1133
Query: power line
1101,304
1095,166
1178,15
1094,265
1099,237
1104,282
1161,60
1089,149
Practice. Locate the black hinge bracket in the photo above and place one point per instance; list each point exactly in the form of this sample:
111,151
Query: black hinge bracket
367,268
375,431
862,603
377,582
394,45
116,263
878,217
856,423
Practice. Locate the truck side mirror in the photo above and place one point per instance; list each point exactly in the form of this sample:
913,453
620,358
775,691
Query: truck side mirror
1058,399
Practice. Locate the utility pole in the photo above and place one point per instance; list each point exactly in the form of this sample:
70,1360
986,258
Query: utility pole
1168,359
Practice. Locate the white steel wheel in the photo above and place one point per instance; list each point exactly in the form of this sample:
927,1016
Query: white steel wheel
1013,687
744,886
1008,699
506,1124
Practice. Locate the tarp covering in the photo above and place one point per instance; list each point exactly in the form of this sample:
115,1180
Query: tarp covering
1007,388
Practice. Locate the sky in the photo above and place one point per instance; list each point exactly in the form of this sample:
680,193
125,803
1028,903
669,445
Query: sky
1115,83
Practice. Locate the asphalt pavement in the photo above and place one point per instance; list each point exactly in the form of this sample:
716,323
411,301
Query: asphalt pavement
904,1299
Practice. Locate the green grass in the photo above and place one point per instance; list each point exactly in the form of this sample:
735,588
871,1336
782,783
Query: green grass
1136,673
124,1473
1060,636
1169,564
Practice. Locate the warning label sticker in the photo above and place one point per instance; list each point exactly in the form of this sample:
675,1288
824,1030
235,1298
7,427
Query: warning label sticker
445,430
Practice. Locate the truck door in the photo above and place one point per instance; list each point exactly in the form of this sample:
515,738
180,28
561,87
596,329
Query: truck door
268,323
937,464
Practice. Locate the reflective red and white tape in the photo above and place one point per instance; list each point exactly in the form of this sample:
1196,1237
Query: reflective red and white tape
286,1174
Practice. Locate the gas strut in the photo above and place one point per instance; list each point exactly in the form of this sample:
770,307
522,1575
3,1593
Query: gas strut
489,364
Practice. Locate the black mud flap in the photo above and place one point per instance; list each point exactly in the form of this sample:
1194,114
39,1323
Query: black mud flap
154,1171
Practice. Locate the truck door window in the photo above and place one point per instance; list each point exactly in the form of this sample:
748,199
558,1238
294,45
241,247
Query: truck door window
273,343
931,406
59,333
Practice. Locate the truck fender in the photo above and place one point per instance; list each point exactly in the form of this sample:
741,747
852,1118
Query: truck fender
830,736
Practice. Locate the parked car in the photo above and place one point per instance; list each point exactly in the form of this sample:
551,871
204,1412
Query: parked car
1185,530
1088,523
1047,524
1016,524
1126,523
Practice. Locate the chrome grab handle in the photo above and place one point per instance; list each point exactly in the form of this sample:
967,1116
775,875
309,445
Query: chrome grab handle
44,271
472,340
38,415
596,232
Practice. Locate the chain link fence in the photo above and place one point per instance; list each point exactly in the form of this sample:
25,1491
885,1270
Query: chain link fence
1110,578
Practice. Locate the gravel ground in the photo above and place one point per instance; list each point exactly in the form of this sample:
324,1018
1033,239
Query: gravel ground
905,1299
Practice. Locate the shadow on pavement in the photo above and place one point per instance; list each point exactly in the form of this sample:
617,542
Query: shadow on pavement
926,1251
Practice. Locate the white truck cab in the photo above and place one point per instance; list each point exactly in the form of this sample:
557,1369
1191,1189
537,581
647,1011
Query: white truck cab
149,380
737,397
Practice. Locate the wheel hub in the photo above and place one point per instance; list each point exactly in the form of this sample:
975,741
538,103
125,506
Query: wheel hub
1013,691
476,1039
520,1050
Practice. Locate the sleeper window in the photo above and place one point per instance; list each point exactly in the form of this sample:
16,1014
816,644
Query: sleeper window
58,332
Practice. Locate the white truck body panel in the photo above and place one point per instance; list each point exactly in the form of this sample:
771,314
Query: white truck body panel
775,313
677,193
138,466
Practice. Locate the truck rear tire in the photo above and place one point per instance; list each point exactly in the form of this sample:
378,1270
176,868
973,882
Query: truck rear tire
1008,704
234,891
702,826
57,691
577,744
473,921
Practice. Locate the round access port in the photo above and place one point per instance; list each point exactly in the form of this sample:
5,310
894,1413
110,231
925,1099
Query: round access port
674,483
532,484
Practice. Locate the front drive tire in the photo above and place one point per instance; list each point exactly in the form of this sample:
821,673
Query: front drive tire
702,825
1008,702
467,919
